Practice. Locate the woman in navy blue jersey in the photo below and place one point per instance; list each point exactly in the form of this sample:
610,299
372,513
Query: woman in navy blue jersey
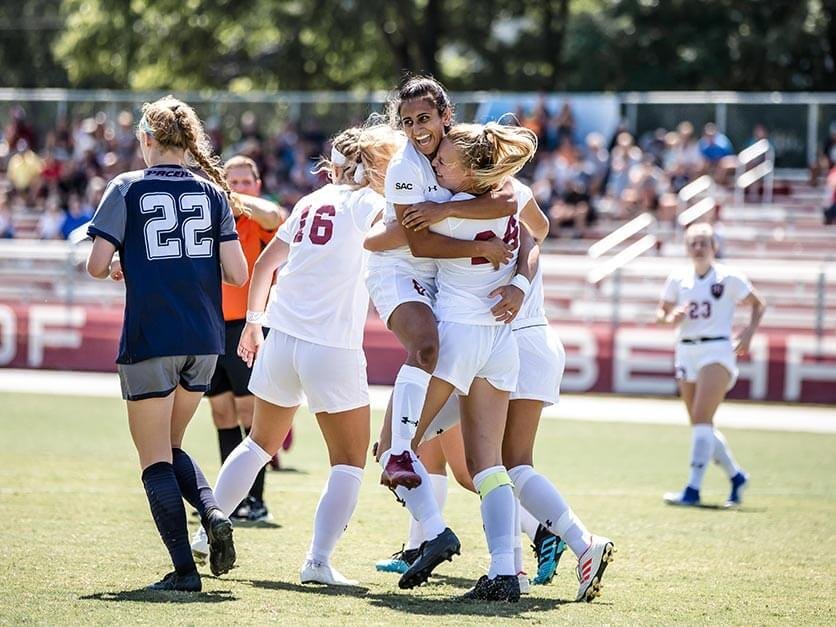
176,238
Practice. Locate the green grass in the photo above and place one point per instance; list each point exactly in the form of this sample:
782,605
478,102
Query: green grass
78,542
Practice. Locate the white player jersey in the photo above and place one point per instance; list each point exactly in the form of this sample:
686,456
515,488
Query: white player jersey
464,285
320,295
533,311
710,300
410,179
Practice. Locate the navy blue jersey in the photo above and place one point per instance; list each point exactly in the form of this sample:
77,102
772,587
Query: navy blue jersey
167,224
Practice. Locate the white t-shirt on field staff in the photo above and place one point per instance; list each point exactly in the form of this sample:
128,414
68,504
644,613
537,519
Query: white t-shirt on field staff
710,300
320,295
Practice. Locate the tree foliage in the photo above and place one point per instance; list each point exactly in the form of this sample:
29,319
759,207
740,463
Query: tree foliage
470,44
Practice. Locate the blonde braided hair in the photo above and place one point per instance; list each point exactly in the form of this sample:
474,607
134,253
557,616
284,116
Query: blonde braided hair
174,124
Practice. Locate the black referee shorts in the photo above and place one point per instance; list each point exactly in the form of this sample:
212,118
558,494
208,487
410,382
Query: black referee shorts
231,373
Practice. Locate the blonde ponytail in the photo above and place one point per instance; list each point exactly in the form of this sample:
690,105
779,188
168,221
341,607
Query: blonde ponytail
341,171
492,152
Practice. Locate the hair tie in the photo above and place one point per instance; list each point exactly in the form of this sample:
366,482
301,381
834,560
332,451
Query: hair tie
359,174
145,127
337,158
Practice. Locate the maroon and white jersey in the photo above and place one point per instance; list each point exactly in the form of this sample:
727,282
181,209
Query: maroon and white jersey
410,179
320,295
710,300
464,284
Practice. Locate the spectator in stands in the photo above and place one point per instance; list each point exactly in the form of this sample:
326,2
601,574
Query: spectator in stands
596,162
51,220
566,123
830,208
24,171
7,229
646,184
715,148
826,160
19,129
77,215
124,136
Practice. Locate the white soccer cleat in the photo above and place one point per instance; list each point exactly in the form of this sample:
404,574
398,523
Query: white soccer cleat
200,546
317,572
525,584
591,567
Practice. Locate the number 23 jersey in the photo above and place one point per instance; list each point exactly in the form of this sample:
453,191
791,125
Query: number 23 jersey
464,284
320,295
709,300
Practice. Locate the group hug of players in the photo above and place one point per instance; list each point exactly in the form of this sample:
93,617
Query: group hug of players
426,217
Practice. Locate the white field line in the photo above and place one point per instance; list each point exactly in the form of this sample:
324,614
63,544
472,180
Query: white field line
588,407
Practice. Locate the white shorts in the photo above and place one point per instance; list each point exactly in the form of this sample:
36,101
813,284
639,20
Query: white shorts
469,351
393,286
447,418
542,360
287,369
689,359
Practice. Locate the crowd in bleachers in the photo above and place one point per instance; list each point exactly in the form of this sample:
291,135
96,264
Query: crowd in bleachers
51,180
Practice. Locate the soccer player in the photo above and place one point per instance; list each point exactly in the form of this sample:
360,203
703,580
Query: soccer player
478,357
229,398
316,314
176,238
401,283
700,301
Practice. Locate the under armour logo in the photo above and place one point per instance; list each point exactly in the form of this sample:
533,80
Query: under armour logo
407,421
432,188
548,523
439,432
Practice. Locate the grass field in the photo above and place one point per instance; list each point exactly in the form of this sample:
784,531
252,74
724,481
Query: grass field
78,543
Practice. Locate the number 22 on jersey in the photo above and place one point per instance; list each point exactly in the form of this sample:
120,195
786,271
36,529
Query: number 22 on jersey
321,228
198,223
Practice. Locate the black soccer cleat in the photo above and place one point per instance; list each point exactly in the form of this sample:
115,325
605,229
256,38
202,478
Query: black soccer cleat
500,588
179,583
221,548
431,553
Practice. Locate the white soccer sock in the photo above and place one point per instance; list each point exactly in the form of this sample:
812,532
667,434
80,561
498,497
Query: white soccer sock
518,559
547,505
420,501
416,533
528,523
702,447
238,473
336,505
723,455
408,397
498,520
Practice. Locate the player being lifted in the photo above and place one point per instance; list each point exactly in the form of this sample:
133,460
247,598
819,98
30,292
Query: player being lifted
401,283
700,301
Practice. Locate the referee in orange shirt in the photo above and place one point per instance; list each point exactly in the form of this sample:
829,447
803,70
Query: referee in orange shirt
231,401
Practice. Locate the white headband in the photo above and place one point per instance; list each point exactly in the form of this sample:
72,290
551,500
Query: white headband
337,158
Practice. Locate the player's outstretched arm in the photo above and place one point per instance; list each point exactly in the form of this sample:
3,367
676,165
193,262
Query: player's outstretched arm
233,263
535,221
267,214
425,243
385,237
495,204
